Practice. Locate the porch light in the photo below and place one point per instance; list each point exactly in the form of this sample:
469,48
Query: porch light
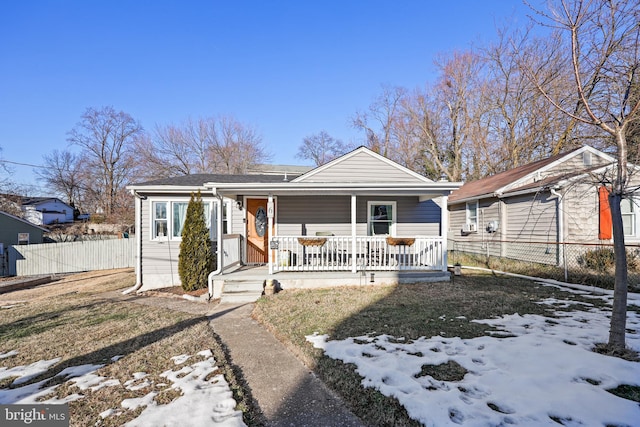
373,278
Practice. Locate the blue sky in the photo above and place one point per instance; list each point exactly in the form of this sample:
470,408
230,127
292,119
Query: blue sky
288,68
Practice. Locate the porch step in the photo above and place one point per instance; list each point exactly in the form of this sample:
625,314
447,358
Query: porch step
238,291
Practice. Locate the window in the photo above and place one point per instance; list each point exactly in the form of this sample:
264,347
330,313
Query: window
160,225
628,208
167,218
178,216
472,213
381,218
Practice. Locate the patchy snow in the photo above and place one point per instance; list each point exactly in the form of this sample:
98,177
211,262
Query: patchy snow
543,371
8,354
25,373
206,398
530,371
179,360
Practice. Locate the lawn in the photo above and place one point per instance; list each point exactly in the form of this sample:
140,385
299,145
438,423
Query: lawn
124,356
421,341
371,344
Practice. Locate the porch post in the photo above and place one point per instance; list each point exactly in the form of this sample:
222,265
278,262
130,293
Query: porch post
270,214
353,234
444,224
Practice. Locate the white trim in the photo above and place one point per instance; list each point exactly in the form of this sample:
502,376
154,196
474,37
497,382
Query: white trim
563,159
467,220
444,227
394,215
355,152
180,199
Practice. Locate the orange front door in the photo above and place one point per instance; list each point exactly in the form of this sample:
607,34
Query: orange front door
257,231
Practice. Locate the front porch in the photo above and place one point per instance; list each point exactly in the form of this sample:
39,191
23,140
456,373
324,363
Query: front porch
328,253
245,283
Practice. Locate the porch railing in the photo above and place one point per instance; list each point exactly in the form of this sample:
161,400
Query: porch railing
371,253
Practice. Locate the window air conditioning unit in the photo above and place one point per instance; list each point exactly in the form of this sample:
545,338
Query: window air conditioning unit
469,228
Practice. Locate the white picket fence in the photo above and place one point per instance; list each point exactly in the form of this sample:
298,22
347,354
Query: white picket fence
71,257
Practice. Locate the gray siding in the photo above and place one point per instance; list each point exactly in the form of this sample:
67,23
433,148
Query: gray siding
10,227
362,167
581,213
532,220
482,241
159,258
298,216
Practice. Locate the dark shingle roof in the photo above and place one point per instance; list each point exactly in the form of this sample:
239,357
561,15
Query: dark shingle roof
26,201
197,180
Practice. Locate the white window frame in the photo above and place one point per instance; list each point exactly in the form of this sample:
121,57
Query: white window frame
469,207
633,214
173,201
394,217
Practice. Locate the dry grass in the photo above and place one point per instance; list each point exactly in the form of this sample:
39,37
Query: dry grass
409,311
76,321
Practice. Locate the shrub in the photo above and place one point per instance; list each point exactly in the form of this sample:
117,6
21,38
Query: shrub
603,259
195,260
600,259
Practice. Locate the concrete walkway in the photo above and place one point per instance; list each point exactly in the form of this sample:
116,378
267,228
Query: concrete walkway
287,392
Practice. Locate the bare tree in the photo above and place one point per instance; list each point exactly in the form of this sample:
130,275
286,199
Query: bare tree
62,172
207,145
521,126
378,123
321,148
236,146
106,138
602,46
444,119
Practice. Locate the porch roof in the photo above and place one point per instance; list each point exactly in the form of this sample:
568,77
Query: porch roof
257,185
426,190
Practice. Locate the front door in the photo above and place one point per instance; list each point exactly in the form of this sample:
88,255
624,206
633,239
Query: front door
257,231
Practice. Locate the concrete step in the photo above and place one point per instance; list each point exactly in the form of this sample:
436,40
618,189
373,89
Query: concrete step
241,291
242,286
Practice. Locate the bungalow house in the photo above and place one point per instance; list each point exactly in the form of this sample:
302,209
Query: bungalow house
360,213
533,212
46,210
15,231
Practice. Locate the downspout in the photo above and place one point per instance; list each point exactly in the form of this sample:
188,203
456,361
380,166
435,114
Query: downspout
217,293
560,215
444,232
138,216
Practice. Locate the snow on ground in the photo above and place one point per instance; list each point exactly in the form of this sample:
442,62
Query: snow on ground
206,398
535,371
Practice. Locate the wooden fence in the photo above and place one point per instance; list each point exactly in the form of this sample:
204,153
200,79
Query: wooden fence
71,257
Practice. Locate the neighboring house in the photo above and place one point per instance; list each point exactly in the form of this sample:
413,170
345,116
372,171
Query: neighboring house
360,213
528,212
46,210
16,231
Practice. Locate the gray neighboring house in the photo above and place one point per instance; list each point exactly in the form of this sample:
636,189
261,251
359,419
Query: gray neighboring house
16,231
360,213
527,213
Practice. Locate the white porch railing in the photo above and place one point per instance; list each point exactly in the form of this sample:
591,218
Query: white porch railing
343,253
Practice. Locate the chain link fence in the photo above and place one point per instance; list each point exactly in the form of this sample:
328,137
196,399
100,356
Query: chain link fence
588,264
